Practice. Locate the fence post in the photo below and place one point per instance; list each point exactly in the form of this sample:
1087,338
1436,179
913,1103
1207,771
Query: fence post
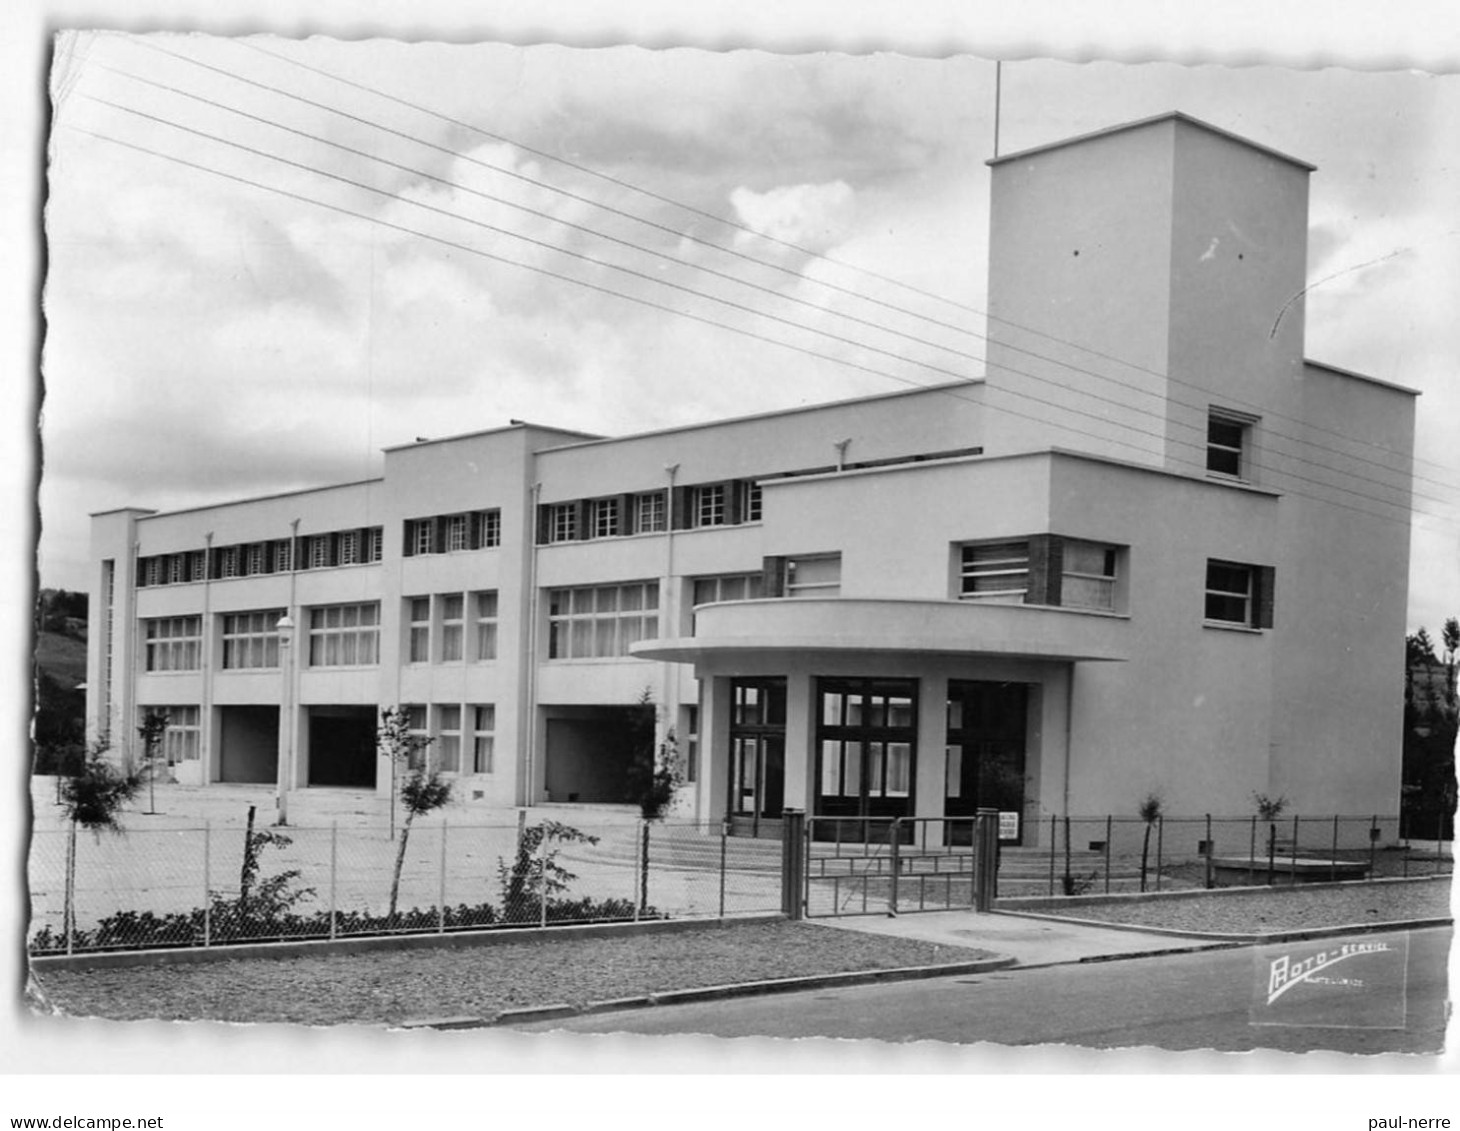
643,908
1333,856
441,885
1160,844
1207,855
793,862
1373,841
1108,823
334,855
542,881
70,910
207,882
895,859
1293,874
1252,852
724,837
1053,836
986,859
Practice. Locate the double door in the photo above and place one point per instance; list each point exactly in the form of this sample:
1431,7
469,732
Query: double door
987,729
757,756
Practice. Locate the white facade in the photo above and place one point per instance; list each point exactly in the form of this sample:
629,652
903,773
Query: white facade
1054,590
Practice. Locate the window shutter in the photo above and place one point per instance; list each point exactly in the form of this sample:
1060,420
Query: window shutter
773,577
408,544
580,521
1046,560
734,494
300,556
544,523
679,508
1264,579
266,552
215,564
475,523
438,535
626,515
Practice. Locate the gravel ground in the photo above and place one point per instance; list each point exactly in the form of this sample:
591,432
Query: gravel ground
1285,909
396,986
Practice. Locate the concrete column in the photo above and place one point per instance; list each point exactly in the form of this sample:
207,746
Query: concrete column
712,800
800,739
930,782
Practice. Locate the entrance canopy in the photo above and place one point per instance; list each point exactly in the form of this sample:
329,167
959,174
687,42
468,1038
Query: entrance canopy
850,624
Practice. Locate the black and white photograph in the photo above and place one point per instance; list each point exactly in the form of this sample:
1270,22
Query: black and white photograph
648,555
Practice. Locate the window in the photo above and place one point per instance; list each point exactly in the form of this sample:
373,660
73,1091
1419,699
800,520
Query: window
603,518
344,636
283,555
420,536
176,569
1088,576
735,587
601,622
181,740
484,611
866,736
491,525
173,644
319,551
149,571
690,729
484,722
230,562
416,729
455,533
818,575
997,571
749,500
251,640
562,522
709,505
349,550
1228,441
649,512
374,543
419,612
1238,594
453,624
448,737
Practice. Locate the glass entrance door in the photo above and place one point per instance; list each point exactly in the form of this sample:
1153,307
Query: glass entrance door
866,747
757,755
986,741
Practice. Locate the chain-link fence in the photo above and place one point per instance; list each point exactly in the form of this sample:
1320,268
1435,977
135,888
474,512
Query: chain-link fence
214,886
1098,855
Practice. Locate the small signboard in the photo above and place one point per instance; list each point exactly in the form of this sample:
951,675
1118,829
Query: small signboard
1008,825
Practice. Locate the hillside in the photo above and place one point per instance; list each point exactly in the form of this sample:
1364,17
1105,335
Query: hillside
63,658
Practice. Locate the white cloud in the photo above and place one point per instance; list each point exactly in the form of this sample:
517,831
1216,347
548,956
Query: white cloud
815,217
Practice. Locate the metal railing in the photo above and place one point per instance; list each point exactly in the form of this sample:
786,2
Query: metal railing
220,885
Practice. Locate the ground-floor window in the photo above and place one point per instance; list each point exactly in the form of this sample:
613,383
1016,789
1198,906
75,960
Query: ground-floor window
866,744
182,739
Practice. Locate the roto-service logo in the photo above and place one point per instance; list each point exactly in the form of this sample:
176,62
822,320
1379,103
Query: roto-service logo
1284,973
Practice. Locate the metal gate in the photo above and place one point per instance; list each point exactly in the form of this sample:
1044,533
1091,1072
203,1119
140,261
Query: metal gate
895,865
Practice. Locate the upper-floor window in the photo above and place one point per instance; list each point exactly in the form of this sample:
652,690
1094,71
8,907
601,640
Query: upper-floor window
1229,442
563,522
710,505
344,635
349,548
649,512
603,517
453,626
176,568
733,587
1239,594
814,575
750,500
419,641
374,543
251,640
1087,575
422,536
455,533
283,555
484,611
599,622
172,644
231,563
995,571
319,551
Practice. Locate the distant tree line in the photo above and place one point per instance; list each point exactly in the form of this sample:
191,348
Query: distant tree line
1431,715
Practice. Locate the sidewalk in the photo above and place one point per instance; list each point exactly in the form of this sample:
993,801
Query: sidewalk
1031,942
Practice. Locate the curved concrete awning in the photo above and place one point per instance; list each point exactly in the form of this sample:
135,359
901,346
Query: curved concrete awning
852,624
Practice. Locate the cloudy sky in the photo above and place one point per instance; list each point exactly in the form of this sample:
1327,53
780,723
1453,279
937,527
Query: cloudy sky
268,260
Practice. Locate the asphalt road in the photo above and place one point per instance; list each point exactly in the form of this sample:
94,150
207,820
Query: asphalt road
1390,1000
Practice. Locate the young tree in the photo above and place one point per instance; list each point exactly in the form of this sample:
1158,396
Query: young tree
421,789
1269,809
92,798
1451,636
152,728
655,773
1150,812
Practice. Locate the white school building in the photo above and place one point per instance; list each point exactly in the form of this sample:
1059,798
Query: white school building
1154,549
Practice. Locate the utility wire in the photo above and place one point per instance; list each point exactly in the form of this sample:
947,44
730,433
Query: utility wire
544,244
622,183
1144,450
877,326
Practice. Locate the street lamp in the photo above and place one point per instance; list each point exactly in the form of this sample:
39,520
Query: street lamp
285,629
